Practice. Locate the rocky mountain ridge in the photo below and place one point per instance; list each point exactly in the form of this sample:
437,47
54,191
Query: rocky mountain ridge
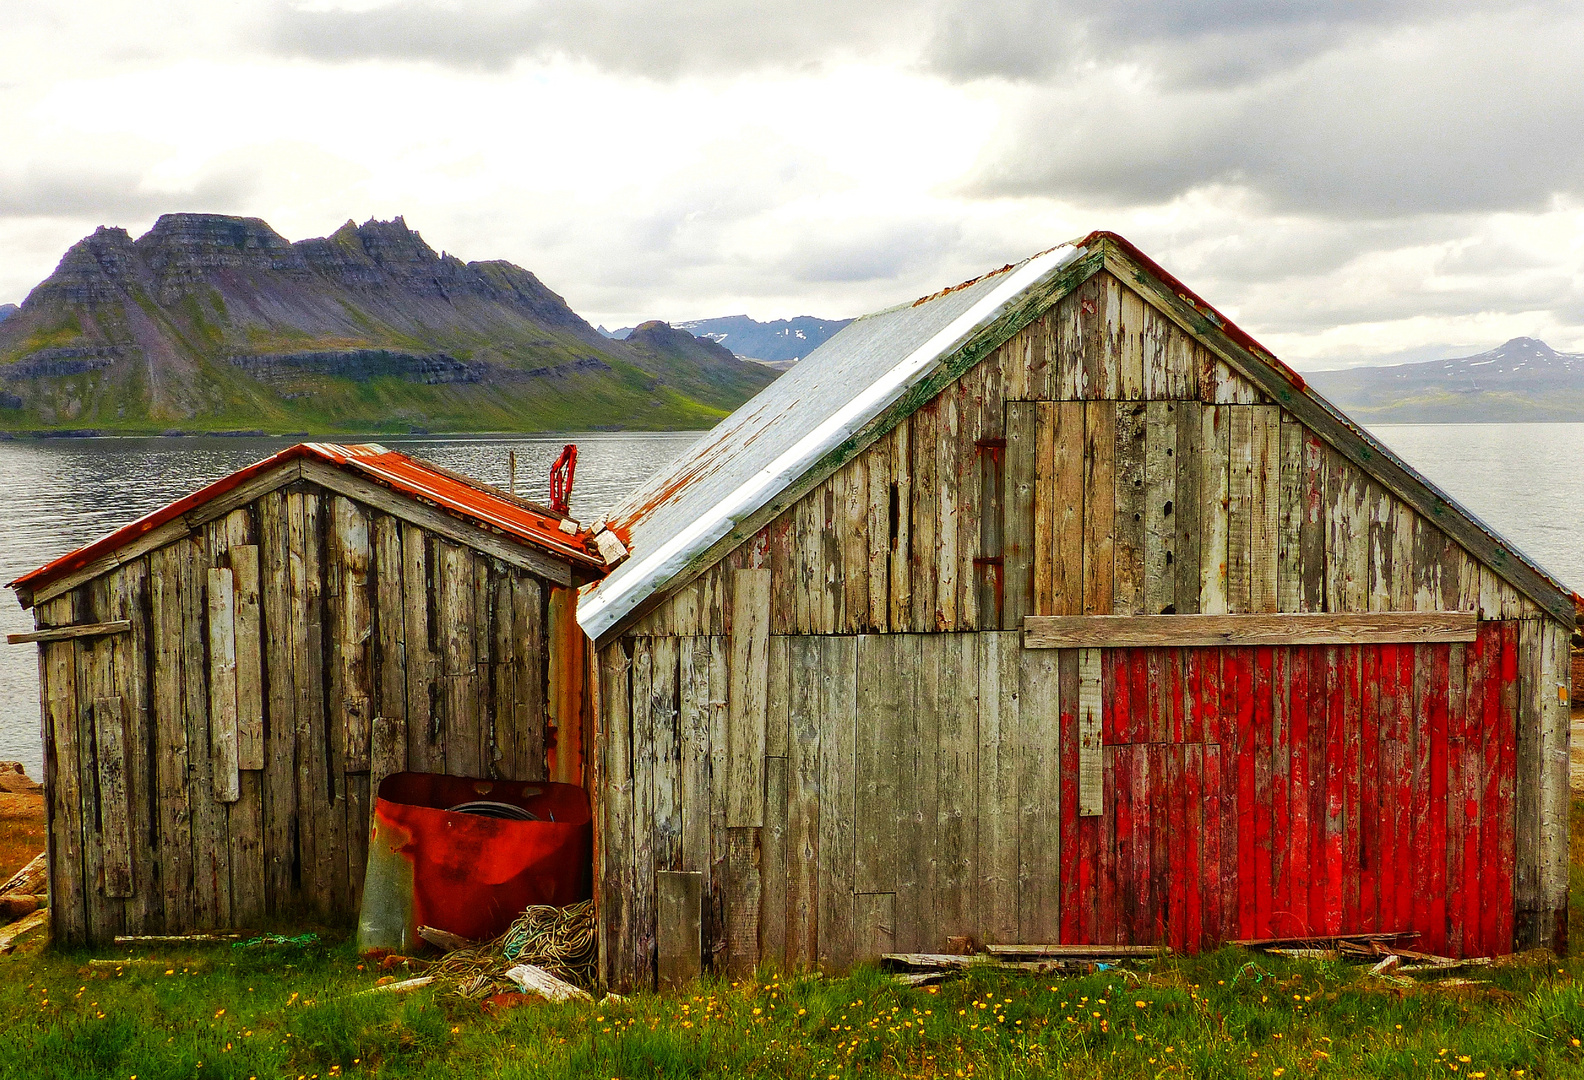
210,322
7,310
779,343
1521,379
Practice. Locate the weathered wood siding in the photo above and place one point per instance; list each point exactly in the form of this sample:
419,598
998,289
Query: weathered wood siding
1050,480
919,787
217,765
916,781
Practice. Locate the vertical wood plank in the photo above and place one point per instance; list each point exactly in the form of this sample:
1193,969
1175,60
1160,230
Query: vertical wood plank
720,849
62,763
1127,337
1265,509
1128,540
998,794
1215,426
1190,457
665,779
693,724
110,725
874,766
1161,463
854,516
210,836
947,452
222,684
280,733
1019,511
838,824
772,928
1240,509
533,718
679,904
925,509
1099,506
250,692
1088,733
130,602
617,876
805,674
955,873
643,772
970,390
1069,516
878,467
1039,796
900,513
425,741
1554,792
750,643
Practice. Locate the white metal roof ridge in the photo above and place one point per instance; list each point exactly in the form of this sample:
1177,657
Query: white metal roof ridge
608,603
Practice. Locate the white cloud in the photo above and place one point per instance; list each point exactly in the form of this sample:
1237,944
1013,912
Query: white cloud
1344,180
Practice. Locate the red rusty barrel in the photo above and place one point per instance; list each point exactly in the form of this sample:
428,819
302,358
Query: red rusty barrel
470,873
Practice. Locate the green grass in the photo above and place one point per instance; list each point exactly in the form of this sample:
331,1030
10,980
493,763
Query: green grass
228,1013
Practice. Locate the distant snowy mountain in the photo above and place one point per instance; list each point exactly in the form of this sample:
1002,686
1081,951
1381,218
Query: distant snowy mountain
1524,379
780,343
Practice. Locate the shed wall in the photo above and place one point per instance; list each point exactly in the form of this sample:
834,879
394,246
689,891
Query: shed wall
918,787
1101,461
217,764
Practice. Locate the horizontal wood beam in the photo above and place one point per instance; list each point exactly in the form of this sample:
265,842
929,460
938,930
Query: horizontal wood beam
1176,631
66,633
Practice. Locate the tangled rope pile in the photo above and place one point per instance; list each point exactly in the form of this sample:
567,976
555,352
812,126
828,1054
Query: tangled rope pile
563,941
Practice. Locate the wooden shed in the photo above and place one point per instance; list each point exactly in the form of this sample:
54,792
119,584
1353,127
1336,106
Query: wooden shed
1054,608
226,681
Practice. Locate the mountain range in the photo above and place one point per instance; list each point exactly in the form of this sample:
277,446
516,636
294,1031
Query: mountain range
1523,379
779,344
7,310
213,323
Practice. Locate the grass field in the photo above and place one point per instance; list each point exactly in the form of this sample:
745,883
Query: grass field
295,1012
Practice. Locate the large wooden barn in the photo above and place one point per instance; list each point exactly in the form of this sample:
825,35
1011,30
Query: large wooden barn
226,681
1053,608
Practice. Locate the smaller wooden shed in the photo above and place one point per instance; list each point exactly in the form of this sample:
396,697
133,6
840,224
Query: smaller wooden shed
226,681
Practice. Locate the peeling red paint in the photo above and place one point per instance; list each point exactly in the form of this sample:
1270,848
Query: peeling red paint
440,488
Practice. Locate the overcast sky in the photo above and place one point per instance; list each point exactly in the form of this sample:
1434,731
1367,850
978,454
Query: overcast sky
1348,180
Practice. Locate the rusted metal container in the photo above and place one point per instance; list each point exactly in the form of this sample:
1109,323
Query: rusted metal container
440,855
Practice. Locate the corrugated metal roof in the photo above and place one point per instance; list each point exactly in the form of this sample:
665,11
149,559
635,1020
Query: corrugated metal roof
773,439
765,446
483,506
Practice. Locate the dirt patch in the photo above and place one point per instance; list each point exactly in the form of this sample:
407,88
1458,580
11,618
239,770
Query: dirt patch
21,831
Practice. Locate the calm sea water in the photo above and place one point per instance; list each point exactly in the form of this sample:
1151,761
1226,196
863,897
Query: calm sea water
55,495
58,494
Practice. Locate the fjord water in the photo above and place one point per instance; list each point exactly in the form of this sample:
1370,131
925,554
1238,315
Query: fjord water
58,494
1522,479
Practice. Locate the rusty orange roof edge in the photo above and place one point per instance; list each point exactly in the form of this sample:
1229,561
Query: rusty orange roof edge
389,468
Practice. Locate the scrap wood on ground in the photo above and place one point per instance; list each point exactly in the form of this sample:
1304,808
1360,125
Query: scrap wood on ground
561,943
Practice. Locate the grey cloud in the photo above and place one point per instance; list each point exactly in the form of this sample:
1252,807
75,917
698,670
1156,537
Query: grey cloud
655,38
111,196
1193,42
1477,118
